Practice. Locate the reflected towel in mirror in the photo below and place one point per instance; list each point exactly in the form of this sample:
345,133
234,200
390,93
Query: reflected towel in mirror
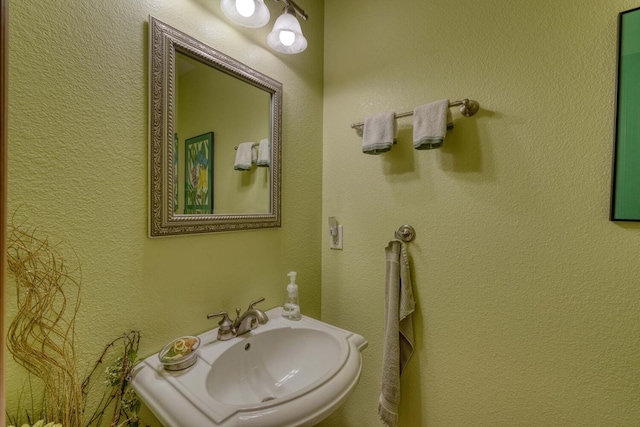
244,156
264,154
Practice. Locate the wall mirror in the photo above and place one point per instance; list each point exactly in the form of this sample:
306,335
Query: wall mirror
204,105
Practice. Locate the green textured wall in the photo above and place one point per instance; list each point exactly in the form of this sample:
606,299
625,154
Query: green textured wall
78,169
528,297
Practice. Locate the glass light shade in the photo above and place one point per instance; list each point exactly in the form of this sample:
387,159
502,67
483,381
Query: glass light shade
236,10
246,8
286,36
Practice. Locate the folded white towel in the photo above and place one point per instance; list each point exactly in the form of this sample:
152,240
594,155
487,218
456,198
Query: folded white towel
379,133
264,154
244,156
430,124
398,333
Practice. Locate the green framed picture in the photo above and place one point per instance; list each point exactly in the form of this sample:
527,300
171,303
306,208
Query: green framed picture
198,187
175,172
625,192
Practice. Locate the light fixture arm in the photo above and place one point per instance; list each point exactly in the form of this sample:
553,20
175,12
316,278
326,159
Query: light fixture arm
290,5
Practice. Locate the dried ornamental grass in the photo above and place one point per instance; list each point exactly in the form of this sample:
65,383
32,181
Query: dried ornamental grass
41,337
41,423
119,397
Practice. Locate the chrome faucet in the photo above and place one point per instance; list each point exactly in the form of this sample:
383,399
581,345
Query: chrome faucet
250,319
245,322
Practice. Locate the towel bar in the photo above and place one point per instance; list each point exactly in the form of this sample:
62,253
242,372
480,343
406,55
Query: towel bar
468,107
255,144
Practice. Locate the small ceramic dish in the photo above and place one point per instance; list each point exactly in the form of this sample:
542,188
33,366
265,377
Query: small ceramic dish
180,353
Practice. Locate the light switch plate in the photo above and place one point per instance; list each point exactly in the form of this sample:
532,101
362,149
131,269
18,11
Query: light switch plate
337,244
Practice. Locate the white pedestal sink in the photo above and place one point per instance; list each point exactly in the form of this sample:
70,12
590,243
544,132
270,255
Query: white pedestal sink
284,373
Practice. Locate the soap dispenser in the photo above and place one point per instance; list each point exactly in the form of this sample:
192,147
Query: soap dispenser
291,309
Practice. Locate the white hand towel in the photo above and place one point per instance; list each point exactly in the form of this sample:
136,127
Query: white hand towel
244,156
430,124
398,334
379,133
264,154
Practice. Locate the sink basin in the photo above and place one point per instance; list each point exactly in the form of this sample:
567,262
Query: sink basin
284,373
273,365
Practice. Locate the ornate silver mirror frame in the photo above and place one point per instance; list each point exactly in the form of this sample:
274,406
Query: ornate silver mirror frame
163,221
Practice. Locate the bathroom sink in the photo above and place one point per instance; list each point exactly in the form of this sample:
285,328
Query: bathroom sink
283,373
273,365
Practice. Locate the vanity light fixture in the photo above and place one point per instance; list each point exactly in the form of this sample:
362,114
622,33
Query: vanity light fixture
248,13
286,36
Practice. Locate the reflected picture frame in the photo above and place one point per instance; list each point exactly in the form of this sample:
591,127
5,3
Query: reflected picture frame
625,181
198,170
176,147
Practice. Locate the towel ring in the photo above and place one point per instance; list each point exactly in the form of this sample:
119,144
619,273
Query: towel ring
406,233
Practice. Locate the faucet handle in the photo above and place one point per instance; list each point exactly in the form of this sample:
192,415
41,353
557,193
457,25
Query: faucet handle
226,329
236,322
253,303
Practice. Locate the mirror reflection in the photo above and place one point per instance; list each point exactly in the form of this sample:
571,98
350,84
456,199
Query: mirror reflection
217,114
215,139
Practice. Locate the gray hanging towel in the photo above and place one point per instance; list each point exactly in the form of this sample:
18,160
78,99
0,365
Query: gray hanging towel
398,334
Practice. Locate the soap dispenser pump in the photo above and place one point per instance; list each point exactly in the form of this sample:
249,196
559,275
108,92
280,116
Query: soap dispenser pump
291,309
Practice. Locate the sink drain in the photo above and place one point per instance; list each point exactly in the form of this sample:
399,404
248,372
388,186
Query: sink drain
266,399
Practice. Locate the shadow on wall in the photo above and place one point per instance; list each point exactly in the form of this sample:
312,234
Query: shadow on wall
461,153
